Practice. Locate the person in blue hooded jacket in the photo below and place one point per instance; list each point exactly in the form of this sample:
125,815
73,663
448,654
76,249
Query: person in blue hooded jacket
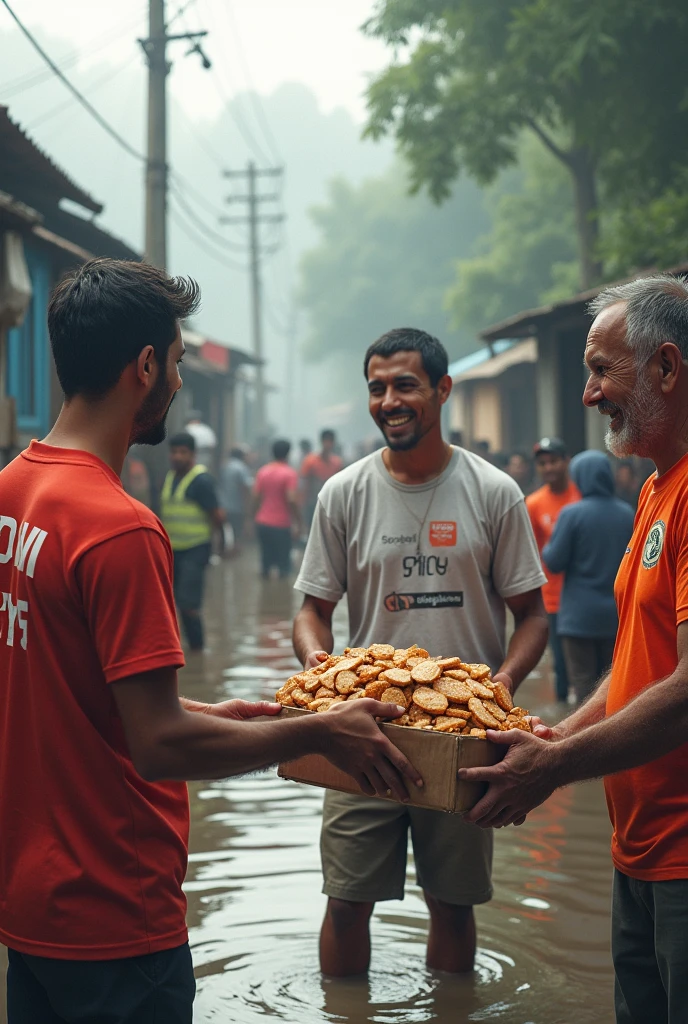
587,545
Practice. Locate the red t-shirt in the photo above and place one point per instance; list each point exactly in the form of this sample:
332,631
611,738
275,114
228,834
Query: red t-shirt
273,482
93,857
544,507
315,471
648,804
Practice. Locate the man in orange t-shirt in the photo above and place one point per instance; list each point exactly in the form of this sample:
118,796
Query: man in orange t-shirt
94,738
634,728
544,506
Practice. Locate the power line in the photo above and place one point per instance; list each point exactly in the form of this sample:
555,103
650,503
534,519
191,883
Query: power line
233,108
104,79
73,89
28,79
253,95
215,237
191,233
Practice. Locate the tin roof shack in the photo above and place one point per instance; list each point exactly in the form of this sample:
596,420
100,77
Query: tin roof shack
39,241
217,385
493,396
560,331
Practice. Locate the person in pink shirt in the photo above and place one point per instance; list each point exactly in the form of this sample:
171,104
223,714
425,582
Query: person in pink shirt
277,510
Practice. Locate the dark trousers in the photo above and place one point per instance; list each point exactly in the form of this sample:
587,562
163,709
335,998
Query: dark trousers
189,576
561,679
275,548
151,989
650,950
586,660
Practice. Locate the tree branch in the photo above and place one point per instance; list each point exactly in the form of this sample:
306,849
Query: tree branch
560,154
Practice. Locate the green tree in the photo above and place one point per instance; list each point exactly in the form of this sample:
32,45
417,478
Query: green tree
529,256
385,259
601,84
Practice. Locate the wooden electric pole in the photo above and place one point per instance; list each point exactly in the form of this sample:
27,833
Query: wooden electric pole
155,49
252,199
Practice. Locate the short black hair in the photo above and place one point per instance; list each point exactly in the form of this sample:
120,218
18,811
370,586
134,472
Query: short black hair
183,440
281,449
433,354
238,453
102,314
327,435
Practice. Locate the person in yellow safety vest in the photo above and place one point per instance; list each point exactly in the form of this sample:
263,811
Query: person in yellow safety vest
189,510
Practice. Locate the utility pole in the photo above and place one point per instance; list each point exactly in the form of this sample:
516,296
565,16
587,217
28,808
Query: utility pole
254,218
155,50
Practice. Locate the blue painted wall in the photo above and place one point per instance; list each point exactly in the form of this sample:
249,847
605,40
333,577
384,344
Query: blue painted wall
28,352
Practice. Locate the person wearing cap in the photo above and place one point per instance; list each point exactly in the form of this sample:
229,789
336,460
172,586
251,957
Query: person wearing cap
544,506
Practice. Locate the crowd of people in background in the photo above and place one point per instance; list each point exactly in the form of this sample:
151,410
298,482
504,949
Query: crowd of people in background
581,511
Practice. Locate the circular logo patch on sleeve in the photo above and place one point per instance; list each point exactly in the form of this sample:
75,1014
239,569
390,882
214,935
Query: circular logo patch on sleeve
654,544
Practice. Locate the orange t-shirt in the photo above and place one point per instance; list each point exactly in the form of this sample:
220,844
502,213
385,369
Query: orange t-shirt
93,857
544,507
648,805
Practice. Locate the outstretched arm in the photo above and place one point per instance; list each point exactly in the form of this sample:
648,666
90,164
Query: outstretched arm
651,725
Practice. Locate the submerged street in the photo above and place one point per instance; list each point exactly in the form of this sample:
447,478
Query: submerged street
254,875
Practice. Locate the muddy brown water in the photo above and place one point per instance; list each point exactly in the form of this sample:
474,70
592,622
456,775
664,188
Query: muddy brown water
253,883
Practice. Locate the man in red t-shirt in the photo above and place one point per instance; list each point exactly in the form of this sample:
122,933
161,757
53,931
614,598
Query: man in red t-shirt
94,738
544,506
316,469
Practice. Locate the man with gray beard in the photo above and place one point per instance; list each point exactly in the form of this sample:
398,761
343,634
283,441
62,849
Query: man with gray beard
633,729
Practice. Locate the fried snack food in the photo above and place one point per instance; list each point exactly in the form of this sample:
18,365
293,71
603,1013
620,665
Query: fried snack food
394,695
444,695
426,671
398,676
346,681
454,690
432,701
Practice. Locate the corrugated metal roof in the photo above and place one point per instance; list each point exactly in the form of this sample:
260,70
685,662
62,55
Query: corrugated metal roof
477,358
526,323
37,170
517,353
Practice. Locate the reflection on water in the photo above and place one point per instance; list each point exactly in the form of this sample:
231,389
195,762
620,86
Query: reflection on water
254,877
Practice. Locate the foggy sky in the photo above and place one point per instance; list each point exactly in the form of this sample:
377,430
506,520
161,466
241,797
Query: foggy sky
314,42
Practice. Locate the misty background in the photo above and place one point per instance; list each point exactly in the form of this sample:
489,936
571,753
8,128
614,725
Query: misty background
294,85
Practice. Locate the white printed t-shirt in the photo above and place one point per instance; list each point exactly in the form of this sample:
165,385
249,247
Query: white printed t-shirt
476,549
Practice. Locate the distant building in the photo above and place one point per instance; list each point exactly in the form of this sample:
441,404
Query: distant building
493,396
555,390
39,240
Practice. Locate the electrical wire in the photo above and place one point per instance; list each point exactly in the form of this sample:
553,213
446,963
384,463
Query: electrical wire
259,110
215,237
49,114
37,76
201,242
73,89
233,106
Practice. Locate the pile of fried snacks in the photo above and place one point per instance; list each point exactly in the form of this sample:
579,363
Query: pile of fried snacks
439,694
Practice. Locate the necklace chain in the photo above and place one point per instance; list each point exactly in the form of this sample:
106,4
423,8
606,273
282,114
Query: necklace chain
432,498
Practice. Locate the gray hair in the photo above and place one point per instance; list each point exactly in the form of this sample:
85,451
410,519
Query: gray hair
656,312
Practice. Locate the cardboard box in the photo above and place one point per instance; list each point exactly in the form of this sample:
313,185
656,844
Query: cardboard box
436,755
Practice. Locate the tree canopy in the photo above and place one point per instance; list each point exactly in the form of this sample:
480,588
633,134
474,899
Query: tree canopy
385,259
602,85
529,255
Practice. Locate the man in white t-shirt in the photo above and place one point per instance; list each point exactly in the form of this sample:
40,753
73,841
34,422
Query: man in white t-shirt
430,544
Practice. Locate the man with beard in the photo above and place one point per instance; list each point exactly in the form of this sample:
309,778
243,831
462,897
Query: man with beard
633,729
431,544
94,842
190,510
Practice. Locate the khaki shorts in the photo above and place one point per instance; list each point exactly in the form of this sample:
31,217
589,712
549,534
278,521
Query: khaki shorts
364,843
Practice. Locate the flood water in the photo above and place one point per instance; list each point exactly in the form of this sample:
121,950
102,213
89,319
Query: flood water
254,878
